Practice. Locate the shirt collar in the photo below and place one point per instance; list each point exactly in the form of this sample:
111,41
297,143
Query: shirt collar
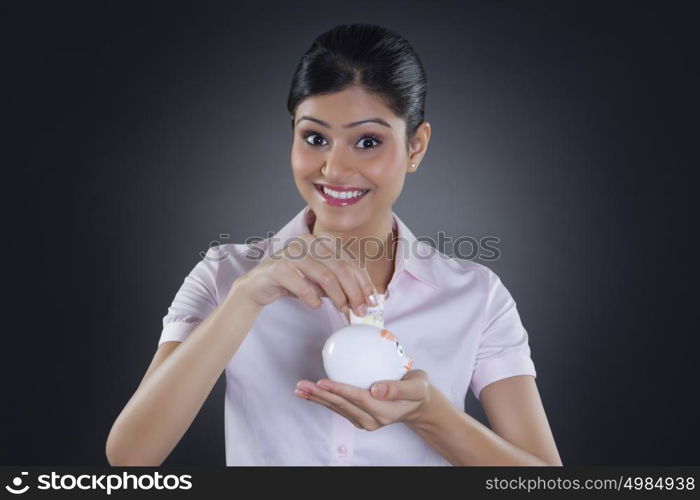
412,255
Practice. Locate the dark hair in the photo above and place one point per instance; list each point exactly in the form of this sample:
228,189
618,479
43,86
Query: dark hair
373,57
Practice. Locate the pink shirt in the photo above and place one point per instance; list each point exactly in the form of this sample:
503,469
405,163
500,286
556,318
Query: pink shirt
453,316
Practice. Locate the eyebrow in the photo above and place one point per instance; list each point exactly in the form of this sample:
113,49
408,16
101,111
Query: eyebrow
353,124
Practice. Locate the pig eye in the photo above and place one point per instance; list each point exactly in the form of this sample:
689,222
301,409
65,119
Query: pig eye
400,349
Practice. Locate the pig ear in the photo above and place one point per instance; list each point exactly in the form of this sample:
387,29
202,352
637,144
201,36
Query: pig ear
387,335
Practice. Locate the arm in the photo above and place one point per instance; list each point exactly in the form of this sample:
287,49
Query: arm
520,435
175,386
161,355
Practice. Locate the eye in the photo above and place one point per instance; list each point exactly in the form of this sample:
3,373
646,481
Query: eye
368,141
313,141
370,137
399,348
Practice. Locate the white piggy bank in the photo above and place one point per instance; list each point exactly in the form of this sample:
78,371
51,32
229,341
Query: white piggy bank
360,355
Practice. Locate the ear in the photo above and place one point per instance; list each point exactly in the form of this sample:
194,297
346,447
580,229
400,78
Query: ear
418,145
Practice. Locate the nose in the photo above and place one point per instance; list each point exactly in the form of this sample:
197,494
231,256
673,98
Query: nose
337,168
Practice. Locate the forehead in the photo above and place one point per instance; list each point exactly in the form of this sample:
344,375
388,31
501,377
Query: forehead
349,105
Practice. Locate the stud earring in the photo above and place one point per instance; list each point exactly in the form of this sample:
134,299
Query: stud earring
413,165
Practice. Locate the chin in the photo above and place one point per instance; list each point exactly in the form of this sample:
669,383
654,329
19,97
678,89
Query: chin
334,220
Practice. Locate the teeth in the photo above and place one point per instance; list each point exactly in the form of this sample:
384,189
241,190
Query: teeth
343,195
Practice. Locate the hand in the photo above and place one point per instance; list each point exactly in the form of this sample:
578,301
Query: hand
405,400
308,269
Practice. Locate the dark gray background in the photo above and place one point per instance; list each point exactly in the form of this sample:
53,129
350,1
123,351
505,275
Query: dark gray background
140,132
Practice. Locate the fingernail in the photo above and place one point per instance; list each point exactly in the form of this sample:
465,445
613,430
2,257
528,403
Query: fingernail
305,386
362,310
373,300
345,309
379,390
324,384
301,393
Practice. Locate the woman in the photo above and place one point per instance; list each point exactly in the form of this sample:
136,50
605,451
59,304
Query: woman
262,312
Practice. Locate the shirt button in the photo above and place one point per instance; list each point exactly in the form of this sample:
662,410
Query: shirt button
342,450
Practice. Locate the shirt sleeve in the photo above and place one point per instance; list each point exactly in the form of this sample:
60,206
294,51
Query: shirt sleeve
503,349
193,302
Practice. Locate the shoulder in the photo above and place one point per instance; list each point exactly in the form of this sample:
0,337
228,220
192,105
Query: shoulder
464,277
451,266
237,257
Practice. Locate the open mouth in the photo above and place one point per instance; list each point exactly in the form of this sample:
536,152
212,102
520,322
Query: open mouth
341,198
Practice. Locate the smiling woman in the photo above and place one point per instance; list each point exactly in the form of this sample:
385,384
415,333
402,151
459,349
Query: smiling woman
350,157
357,105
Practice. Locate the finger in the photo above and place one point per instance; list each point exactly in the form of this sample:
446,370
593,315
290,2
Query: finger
366,285
298,254
324,278
320,265
289,277
364,279
412,387
306,389
345,270
319,291
357,396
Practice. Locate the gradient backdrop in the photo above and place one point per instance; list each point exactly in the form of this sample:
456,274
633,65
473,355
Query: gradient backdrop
138,132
